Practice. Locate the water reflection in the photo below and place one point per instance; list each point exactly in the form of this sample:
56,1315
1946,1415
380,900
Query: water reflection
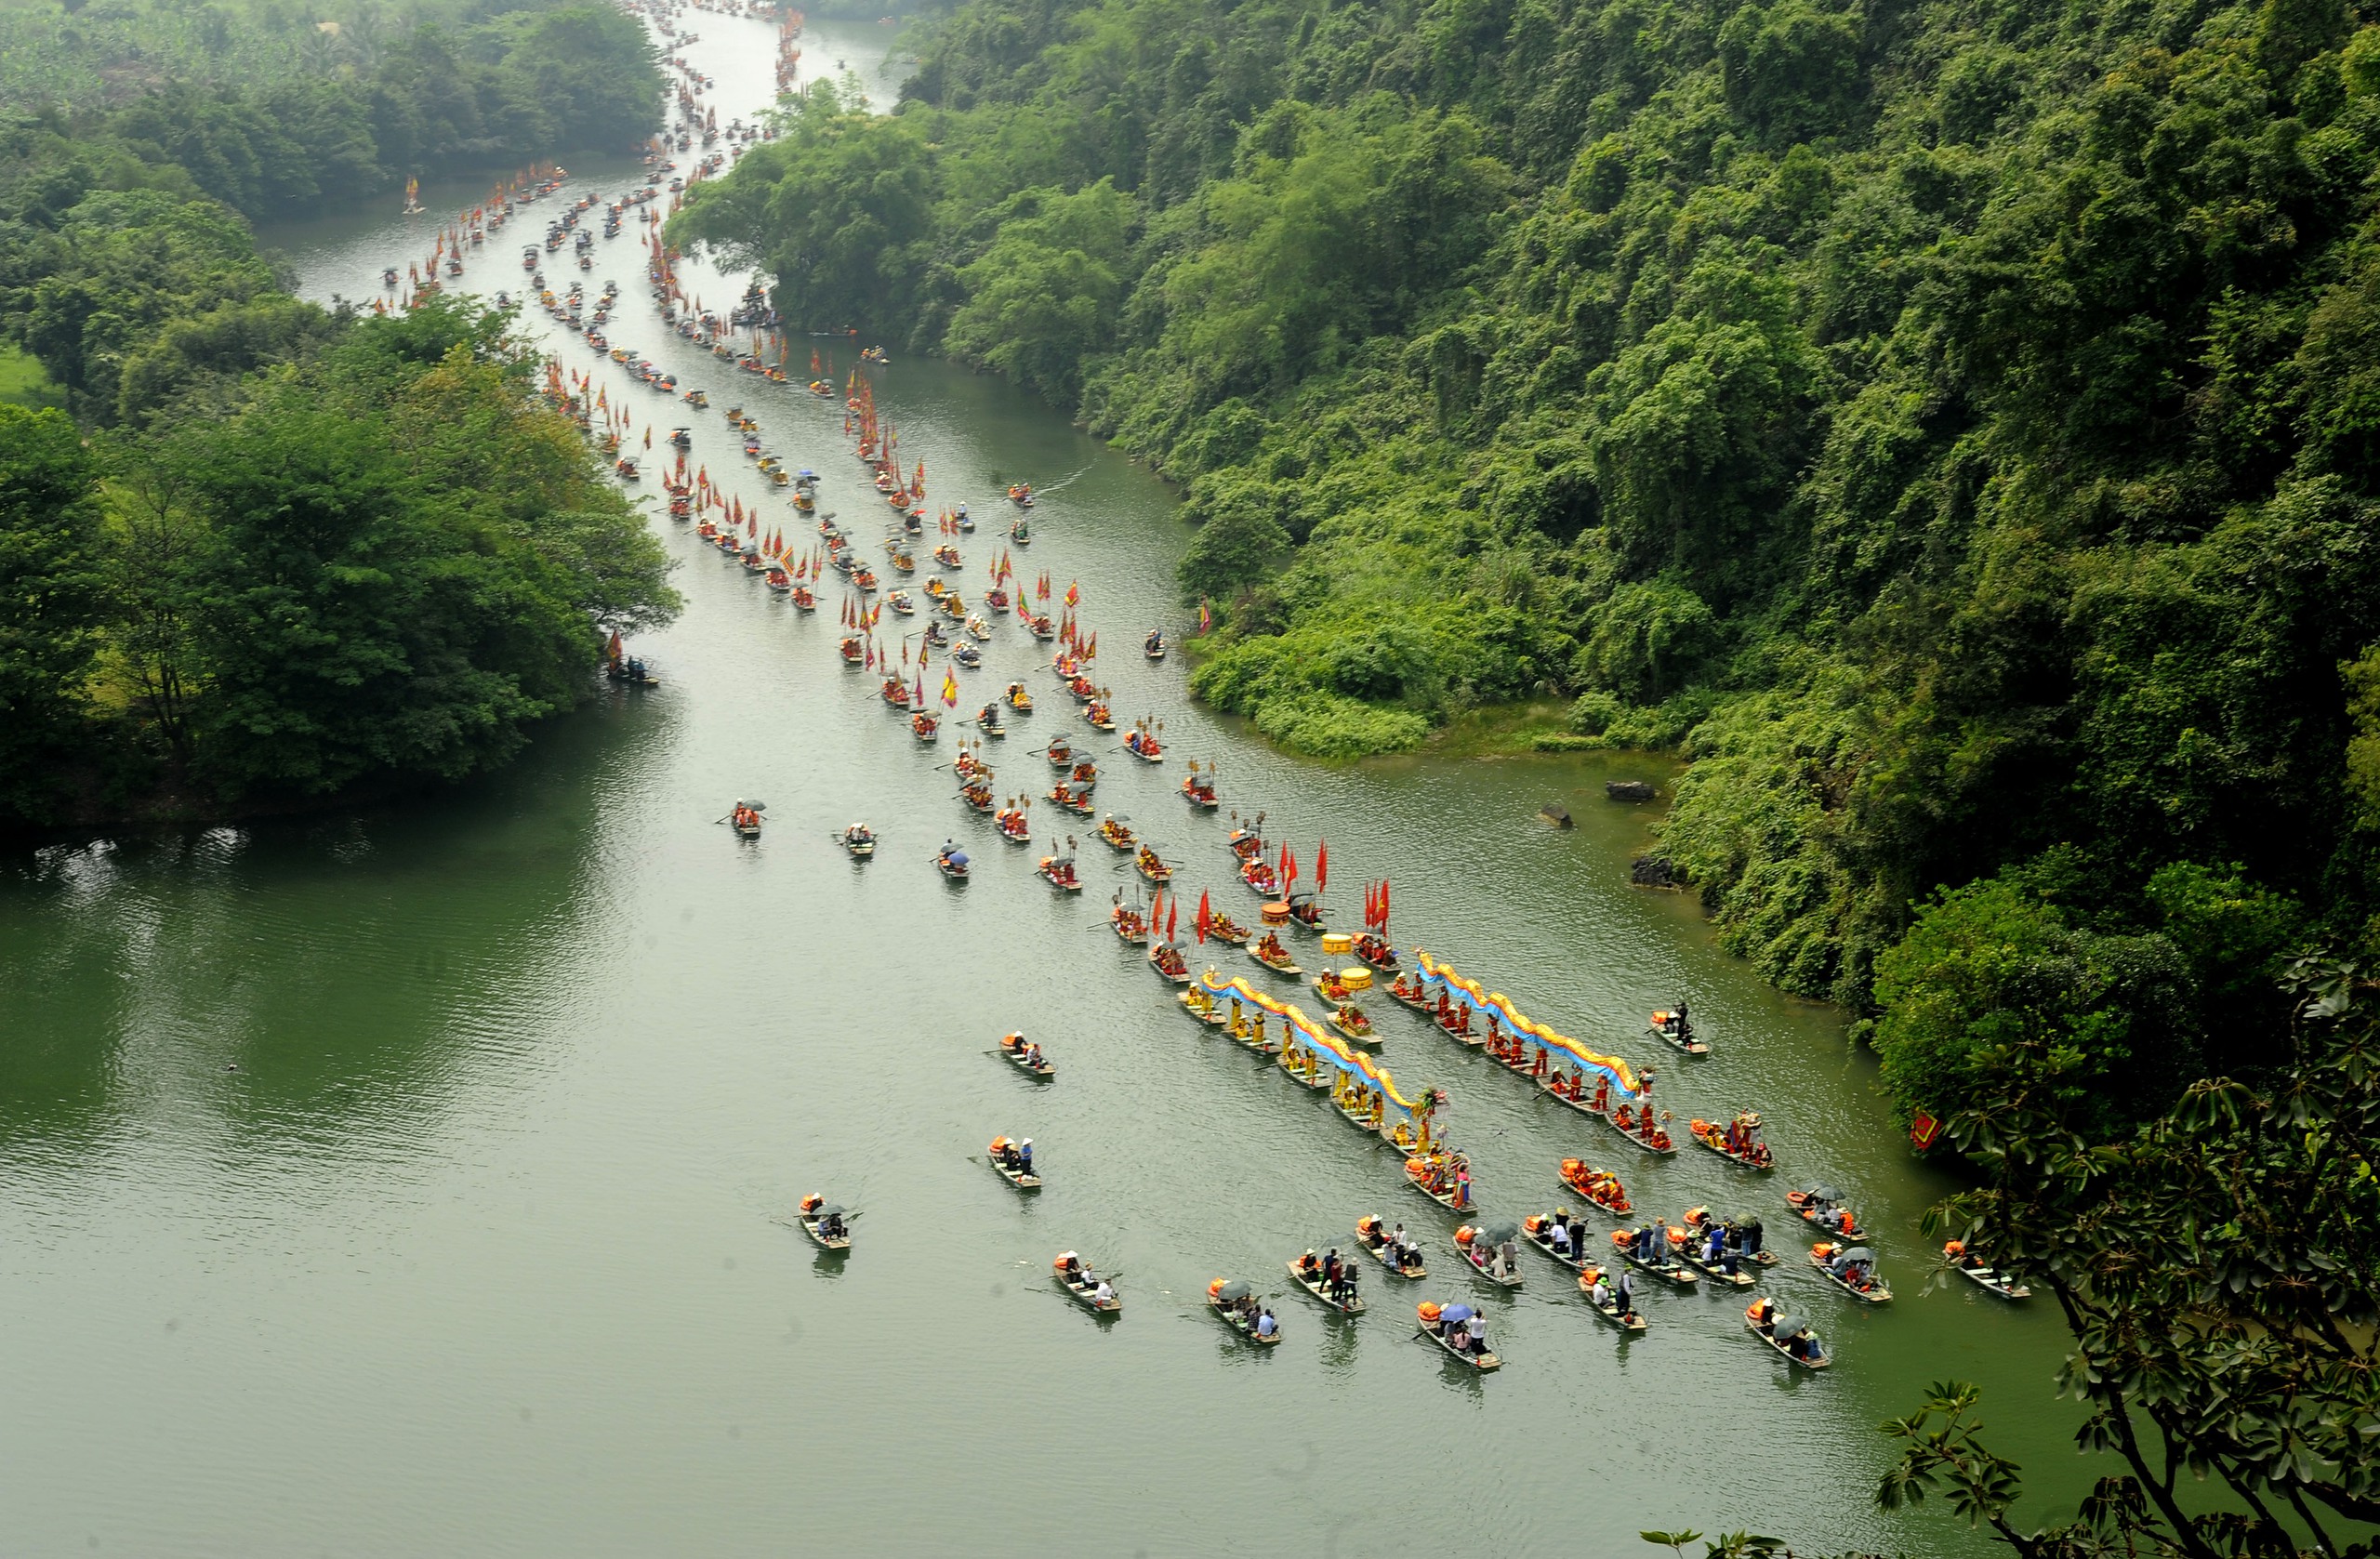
309,983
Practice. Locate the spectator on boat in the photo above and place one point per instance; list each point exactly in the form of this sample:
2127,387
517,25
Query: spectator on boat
1266,1325
1106,1291
1478,1328
1559,1235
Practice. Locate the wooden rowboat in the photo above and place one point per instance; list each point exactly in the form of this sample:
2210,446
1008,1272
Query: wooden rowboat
1321,1290
1777,1334
1087,1295
1470,1259
1875,1293
1378,1250
1024,1179
1016,1056
1283,967
1480,1362
1629,1321
1223,1298
826,1241
1664,1266
1985,1279
1542,1238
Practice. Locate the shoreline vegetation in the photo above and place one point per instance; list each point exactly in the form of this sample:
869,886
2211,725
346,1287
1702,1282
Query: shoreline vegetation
1942,424
254,552
1948,425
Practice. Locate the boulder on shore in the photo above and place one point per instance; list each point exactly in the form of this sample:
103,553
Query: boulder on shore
1555,814
1629,790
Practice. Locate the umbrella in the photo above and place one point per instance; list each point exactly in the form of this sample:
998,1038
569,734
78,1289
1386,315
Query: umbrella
831,1210
1502,1234
756,806
1232,1293
1821,1193
1455,1313
1786,1330
957,857
1858,1253
1057,861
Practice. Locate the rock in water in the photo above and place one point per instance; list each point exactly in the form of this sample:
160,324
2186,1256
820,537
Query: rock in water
1628,791
1555,814
1652,871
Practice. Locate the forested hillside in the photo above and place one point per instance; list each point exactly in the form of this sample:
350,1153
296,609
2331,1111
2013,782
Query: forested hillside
272,108
1952,425
276,550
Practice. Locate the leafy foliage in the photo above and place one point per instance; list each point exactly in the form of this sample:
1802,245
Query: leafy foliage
270,113
2217,1268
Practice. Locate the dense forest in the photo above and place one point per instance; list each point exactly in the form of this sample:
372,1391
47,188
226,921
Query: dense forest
271,110
1950,424
265,551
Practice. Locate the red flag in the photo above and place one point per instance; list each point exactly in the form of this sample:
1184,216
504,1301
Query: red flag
1322,865
1291,875
1205,919
1281,867
1383,906
1172,915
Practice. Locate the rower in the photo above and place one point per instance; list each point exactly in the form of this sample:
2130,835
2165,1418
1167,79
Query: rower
1024,1157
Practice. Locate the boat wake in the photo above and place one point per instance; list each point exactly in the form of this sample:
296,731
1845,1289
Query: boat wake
1058,485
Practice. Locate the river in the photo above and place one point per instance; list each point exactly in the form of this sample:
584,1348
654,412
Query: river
411,1179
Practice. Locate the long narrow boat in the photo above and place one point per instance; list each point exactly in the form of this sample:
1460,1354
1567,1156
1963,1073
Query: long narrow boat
1017,1053
1630,1320
1818,1203
1223,1299
1954,1256
1690,1251
1603,1190
1450,1193
1746,1149
1779,1333
1374,1240
1074,1276
1537,1229
1272,956
1435,1328
1023,1179
815,1210
1874,1292
1312,1284
1469,1249
1663,1264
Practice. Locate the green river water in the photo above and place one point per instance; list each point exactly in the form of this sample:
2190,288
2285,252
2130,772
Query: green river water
410,1180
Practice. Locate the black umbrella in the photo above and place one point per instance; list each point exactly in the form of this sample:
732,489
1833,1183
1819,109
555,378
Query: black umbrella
1817,1191
1858,1253
830,1209
1787,1330
1232,1293
1502,1234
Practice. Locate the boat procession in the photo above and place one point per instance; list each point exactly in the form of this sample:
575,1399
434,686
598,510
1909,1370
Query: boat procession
955,613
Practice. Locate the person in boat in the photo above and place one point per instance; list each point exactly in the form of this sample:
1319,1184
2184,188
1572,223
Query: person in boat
1762,1314
830,1225
1105,1293
1600,1295
1033,1056
1558,1236
1266,1325
1024,1157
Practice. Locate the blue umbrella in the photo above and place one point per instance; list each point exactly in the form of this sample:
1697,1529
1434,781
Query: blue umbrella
957,857
1454,1314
